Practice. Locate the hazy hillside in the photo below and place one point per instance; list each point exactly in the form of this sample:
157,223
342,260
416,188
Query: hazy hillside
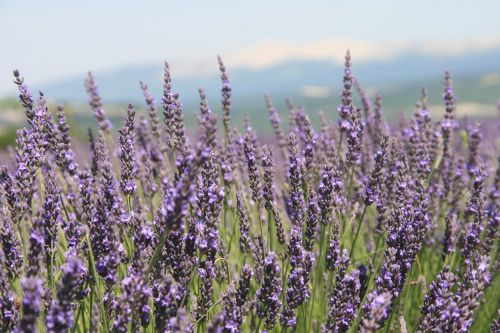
121,85
314,84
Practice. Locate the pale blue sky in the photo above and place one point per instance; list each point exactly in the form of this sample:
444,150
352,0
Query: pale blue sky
51,39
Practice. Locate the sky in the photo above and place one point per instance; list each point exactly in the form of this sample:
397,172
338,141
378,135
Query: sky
49,40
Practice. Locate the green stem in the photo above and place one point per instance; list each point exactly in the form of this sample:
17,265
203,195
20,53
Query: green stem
360,222
270,229
91,305
340,142
257,206
80,307
319,272
390,321
258,325
157,253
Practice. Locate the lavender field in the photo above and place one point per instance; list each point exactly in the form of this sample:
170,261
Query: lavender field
359,225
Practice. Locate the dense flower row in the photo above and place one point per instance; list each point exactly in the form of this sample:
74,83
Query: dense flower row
363,226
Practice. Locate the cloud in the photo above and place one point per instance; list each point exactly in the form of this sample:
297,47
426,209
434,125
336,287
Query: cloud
490,79
272,52
316,91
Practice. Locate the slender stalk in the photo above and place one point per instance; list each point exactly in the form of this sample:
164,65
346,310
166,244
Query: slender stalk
357,231
270,229
319,272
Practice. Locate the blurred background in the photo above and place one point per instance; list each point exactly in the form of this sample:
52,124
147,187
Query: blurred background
284,49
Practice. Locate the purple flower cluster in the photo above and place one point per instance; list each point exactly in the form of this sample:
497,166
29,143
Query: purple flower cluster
356,226
60,317
31,305
96,104
127,153
268,296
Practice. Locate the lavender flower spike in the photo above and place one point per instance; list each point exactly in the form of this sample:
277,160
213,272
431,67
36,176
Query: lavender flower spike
437,303
25,96
244,241
66,156
60,317
296,202
346,109
344,301
275,120
376,310
169,105
152,112
10,246
252,168
96,103
8,312
268,296
32,305
373,189
268,191
127,153
226,97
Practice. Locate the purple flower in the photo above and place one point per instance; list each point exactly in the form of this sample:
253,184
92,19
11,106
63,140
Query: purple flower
470,291
268,296
326,193
447,126
10,246
438,302
296,203
207,274
376,176
60,317
127,153
268,192
134,304
252,167
230,319
66,156
152,112
311,222
169,106
365,101
310,146
8,311
226,97
474,136
333,255
275,120
28,156
244,241
346,109
24,96
244,282
51,217
32,304
474,217
297,288
106,211
173,116
36,247
375,311
354,138
344,301
450,233
495,325
208,122
166,294
96,104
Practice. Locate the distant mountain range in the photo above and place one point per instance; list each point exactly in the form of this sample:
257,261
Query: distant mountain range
286,79
314,84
